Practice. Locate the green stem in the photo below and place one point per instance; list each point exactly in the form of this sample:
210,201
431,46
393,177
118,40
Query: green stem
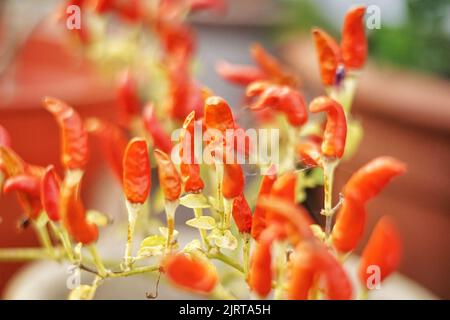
198,212
227,212
328,174
27,254
62,234
227,260
44,237
170,208
133,212
97,261
132,272
246,253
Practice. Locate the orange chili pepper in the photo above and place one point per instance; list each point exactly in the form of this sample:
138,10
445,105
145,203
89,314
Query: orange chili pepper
50,193
136,171
128,98
27,188
113,142
260,274
335,133
191,273
309,153
233,180
74,214
383,250
169,179
349,227
216,5
369,180
218,114
239,74
354,43
284,186
5,139
161,139
329,55
130,10
73,136
259,214
242,214
312,261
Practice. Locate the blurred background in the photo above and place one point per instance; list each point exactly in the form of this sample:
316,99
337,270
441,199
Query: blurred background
402,100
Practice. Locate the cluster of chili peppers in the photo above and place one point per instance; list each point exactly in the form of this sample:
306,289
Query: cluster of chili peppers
273,243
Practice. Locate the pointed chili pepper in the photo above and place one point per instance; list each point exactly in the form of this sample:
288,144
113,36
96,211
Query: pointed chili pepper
169,179
242,214
27,188
128,98
261,273
73,136
284,186
233,181
312,261
349,227
383,250
113,142
354,43
259,214
335,133
5,139
50,193
329,55
369,180
239,74
191,273
160,138
309,153
216,5
136,171
74,214
218,114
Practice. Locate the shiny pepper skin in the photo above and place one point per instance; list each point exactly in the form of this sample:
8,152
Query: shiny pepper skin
259,214
312,261
191,273
128,98
329,55
74,214
284,186
73,136
169,179
384,250
335,133
113,143
218,114
5,139
309,153
28,192
369,180
354,43
233,181
242,214
136,171
50,193
260,274
152,125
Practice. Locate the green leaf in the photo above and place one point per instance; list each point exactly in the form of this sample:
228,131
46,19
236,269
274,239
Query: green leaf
224,240
194,200
97,218
203,222
82,292
164,231
317,231
193,245
152,246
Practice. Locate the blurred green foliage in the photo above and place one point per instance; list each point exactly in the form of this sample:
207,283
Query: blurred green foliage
421,42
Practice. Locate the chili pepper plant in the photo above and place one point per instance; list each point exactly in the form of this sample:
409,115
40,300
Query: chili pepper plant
253,230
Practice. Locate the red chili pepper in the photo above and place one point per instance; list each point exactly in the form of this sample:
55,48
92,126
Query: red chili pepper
335,133
271,67
136,171
354,43
309,153
260,274
27,188
259,214
312,261
216,5
169,179
191,273
50,193
74,214
178,39
113,142
218,114
242,214
233,181
128,98
5,139
293,218
73,136
349,227
131,10
239,74
369,180
329,55
284,186
10,162
383,250
161,139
